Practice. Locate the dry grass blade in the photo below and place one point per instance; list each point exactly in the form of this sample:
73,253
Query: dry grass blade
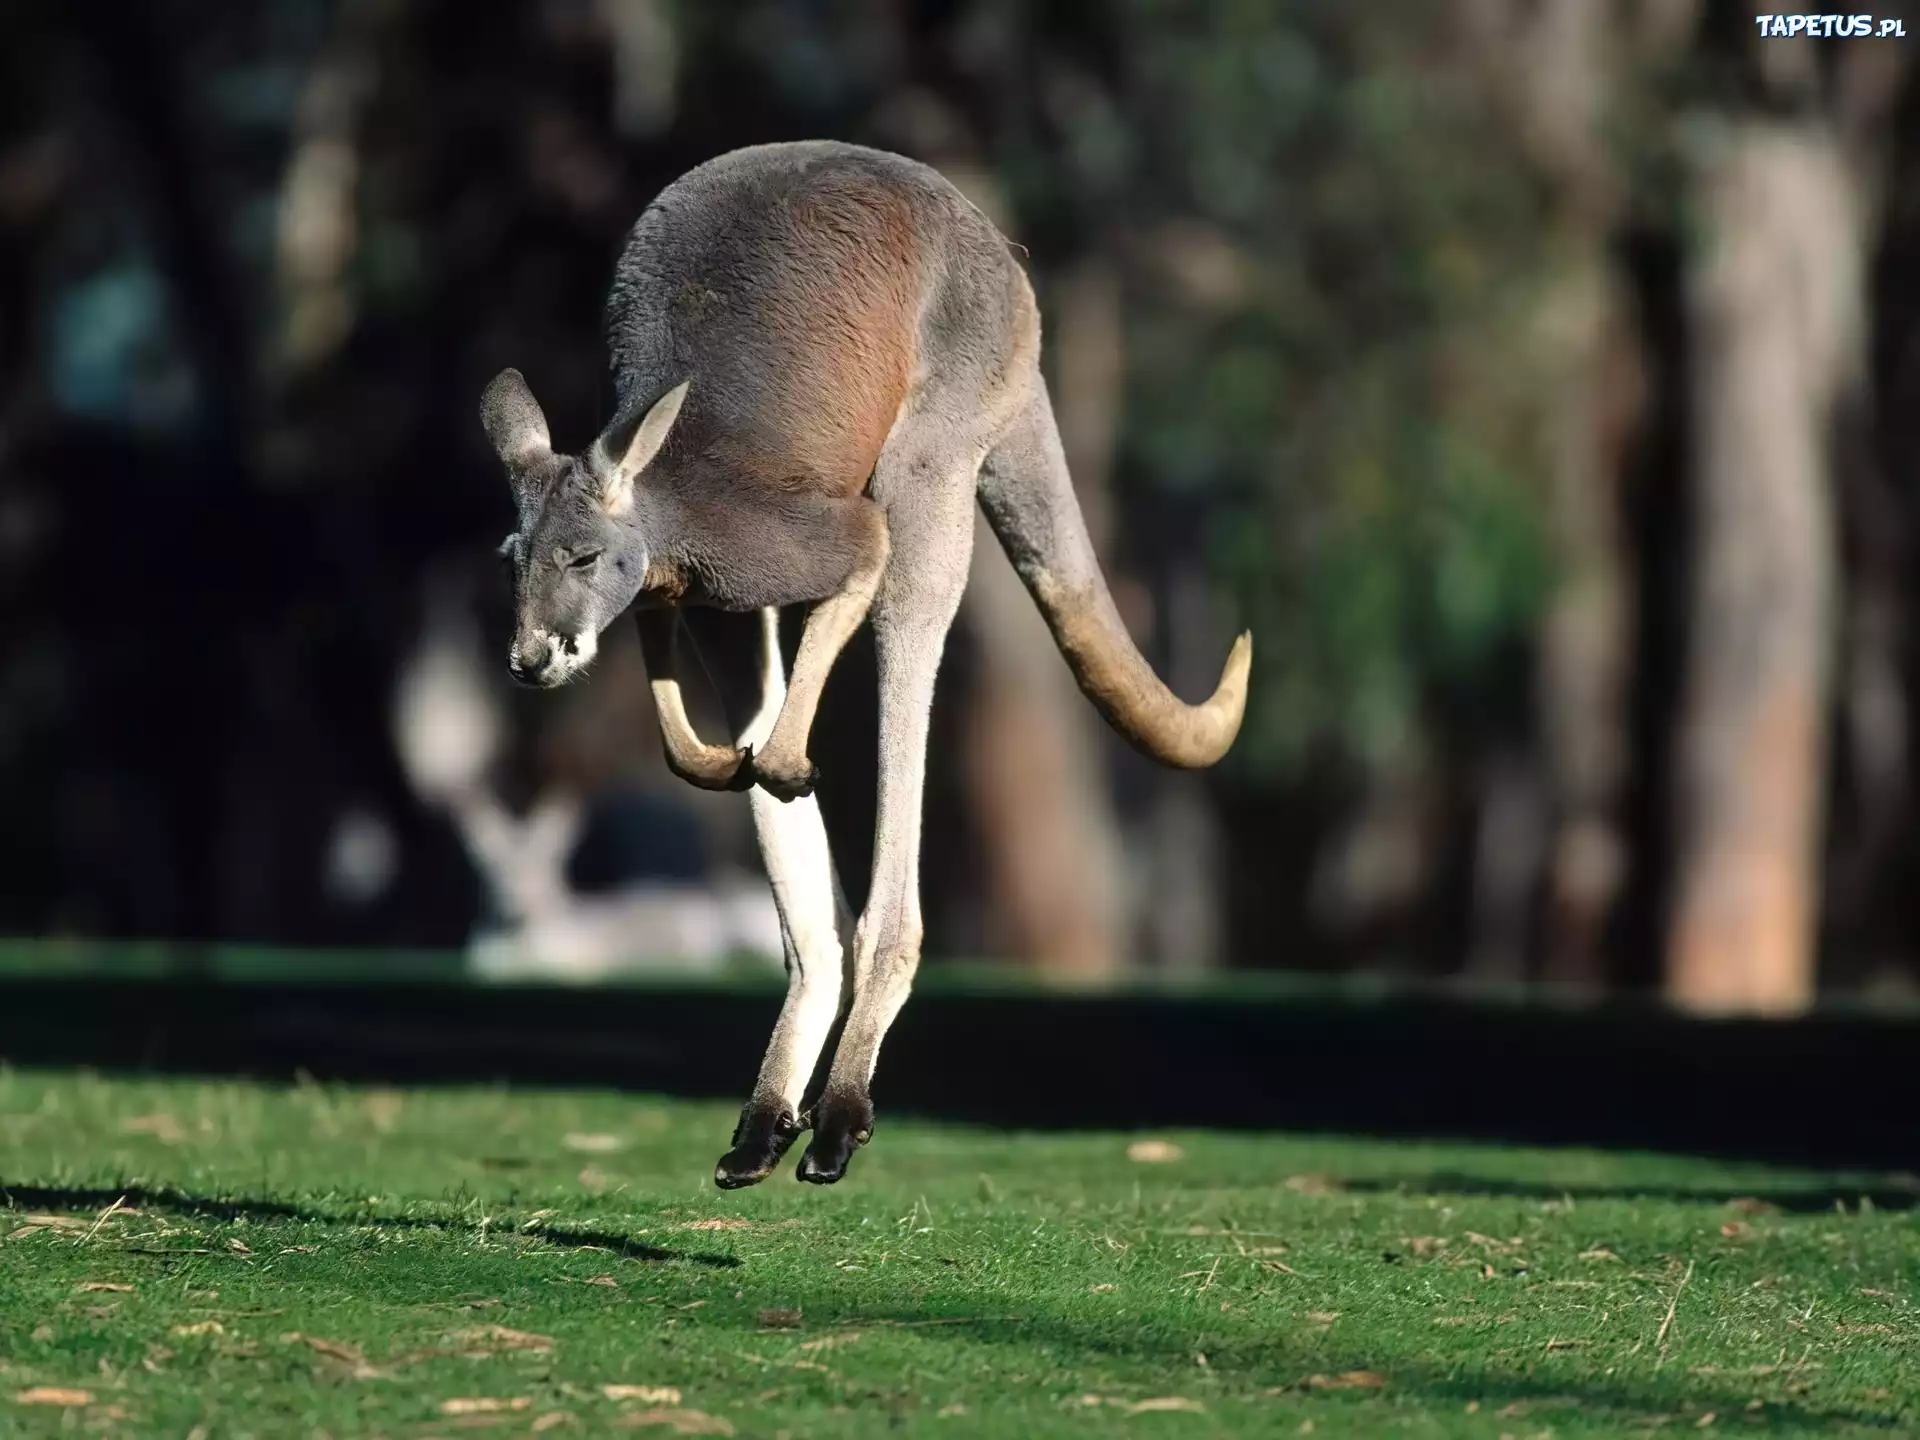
681,1422
54,1222
1492,1245
1346,1380
383,1109
1314,1184
484,1405
646,1394
593,1144
829,1342
332,1349
163,1127
1168,1403
105,1215
53,1395
1155,1152
339,1352
497,1340
1673,1305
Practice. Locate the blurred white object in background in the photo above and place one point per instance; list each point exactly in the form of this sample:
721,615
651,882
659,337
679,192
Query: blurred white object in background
446,720
448,729
650,928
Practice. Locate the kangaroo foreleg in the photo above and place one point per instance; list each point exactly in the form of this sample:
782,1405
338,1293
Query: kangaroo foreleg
781,765
711,767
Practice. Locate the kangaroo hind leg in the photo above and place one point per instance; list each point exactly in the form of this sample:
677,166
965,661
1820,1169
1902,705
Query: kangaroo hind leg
742,654
929,502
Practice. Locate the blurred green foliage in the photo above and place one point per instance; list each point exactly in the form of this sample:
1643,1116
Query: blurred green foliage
1329,354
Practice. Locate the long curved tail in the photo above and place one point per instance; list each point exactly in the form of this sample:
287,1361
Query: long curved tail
1028,498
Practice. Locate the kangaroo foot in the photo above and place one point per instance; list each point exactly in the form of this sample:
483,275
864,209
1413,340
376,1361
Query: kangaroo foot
759,1140
841,1124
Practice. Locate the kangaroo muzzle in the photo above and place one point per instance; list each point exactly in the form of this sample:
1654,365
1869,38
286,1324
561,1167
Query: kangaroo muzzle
543,659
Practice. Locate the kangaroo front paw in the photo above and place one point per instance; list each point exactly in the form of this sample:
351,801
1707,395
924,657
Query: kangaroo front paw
759,1141
784,776
714,767
841,1124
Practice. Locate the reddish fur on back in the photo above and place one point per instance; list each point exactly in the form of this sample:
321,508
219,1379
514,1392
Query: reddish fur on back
843,316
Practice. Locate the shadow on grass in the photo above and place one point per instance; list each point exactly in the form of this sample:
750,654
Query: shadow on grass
1252,1372
1899,1193
175,1201
1243,1372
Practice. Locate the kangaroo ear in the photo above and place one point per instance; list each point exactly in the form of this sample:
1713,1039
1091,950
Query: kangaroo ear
513,421
629,445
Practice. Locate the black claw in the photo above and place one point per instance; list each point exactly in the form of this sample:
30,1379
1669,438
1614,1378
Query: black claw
743,775
801,790
760,1140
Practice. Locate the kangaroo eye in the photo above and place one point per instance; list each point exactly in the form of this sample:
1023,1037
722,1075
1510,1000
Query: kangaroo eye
583,560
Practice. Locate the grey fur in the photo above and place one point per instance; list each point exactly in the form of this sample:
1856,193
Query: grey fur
858,341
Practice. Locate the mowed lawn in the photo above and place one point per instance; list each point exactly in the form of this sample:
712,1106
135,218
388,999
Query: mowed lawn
215,1260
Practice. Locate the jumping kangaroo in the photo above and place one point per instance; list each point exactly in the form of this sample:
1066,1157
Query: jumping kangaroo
821,355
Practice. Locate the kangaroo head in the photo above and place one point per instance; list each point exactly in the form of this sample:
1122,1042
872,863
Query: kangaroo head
579,553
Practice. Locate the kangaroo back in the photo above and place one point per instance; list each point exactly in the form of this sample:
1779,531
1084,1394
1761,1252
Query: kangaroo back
787,280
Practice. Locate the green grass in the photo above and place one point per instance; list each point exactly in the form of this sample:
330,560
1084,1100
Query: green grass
341,1262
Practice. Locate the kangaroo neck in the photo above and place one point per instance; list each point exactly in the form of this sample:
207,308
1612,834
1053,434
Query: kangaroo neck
661,521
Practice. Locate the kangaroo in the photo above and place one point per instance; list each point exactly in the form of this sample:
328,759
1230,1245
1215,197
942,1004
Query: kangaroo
821,355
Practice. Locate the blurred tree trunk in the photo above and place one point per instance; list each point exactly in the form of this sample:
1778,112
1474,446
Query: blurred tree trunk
1035,754
141,65
1183,901
1777,310
318,222
1034,751
1773,305
1873,709
1558,69
1584,672
646,61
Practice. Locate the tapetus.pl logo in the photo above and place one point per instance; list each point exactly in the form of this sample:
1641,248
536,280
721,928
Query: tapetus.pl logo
1832,27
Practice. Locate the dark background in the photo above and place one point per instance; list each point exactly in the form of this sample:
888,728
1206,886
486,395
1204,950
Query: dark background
1539,381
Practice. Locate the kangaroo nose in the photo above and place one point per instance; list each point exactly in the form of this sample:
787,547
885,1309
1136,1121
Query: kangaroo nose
527,663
